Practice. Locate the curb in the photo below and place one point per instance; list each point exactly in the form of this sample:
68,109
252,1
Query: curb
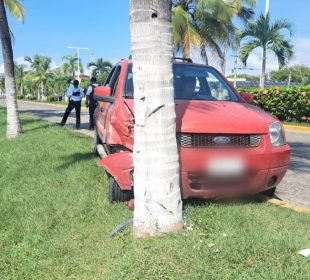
297,128
284,204
42,103
50,104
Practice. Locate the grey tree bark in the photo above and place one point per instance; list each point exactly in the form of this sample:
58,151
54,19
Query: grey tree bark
158,204
263,69
13,123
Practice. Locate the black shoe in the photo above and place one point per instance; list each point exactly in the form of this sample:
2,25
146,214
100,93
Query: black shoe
91,128
78,127
60,124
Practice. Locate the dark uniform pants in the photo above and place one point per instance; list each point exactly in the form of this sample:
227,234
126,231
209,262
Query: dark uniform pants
92,107
73,105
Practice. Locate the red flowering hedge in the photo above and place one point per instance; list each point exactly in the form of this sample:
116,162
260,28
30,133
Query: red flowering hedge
285,103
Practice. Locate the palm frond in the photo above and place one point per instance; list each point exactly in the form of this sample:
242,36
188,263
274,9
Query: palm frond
15,8
247,49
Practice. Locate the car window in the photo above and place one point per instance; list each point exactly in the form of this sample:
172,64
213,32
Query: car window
129,83
217,88
108,80
193,82
114,81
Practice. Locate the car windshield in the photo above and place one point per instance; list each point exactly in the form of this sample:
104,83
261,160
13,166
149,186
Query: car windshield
193,82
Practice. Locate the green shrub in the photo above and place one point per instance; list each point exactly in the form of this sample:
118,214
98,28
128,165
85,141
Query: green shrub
285,103
30,97
52,98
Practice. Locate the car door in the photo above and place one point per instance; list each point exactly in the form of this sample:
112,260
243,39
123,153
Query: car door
105,107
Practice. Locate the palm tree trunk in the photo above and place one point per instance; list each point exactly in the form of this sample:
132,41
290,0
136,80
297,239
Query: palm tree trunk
225,58
22,88
203,53
263,70
158,205
13,123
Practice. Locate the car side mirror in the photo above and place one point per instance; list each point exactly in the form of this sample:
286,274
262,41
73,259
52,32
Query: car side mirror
103,94
247,97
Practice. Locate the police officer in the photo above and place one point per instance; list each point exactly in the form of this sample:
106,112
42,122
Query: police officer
75,95
90,101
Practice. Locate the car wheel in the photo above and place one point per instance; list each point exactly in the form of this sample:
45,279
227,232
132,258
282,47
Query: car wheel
116,194
269,192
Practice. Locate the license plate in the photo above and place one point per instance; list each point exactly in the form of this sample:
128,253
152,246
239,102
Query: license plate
225,167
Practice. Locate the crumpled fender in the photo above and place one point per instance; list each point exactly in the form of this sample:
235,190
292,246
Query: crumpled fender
119,165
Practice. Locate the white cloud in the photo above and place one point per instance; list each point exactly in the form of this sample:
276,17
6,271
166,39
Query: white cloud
302,48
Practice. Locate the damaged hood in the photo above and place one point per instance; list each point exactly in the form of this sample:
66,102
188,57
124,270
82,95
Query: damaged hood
198,116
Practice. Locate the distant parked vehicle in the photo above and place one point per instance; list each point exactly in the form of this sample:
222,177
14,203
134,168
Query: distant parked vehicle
227,147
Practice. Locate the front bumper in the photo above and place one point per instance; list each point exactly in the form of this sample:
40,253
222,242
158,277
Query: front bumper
256,184
266,166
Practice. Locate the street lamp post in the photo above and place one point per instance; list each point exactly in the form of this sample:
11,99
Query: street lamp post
78,56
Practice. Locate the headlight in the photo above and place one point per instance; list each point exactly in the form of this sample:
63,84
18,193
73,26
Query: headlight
276,134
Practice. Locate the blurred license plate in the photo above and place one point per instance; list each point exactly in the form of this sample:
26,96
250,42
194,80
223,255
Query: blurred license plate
225,167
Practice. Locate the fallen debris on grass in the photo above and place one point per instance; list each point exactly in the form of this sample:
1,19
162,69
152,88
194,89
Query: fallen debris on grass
305,252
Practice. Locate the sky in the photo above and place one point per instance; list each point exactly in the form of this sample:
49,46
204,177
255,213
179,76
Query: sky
103,27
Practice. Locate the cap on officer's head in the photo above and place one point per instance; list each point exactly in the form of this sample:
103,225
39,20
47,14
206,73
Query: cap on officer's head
93,80
76,83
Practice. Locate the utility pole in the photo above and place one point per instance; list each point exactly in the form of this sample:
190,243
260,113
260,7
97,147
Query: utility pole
267,7
235,68
78,56
266,13
289,78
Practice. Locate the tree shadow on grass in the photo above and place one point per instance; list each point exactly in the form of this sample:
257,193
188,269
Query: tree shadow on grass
29,125
75,158
251,199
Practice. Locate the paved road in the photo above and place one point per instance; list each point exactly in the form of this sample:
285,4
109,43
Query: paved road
53,113
294,188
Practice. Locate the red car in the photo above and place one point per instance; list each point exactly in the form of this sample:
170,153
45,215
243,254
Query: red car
227,147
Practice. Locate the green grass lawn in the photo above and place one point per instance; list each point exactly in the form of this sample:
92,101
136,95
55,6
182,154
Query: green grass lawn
55,219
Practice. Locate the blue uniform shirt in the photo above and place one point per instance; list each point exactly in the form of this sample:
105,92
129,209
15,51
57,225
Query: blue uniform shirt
72,90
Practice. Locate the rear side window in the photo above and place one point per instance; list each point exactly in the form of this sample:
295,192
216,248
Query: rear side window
129,83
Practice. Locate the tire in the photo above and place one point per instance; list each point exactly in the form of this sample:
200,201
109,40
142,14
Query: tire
116,194
269,193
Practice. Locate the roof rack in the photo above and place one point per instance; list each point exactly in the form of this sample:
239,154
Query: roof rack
189,60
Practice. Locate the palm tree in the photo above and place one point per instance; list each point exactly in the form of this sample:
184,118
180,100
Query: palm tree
100,69
71,65
207,24
266,35
17,11
41,69
60,83
158,205
20,76
184,32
